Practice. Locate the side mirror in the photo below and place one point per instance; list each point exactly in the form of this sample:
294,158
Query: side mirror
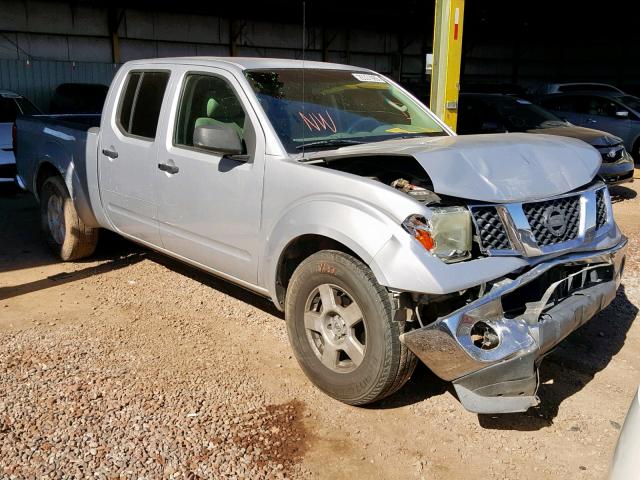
219,139
622,114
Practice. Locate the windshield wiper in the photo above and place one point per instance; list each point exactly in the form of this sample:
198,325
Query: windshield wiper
402,136
329,143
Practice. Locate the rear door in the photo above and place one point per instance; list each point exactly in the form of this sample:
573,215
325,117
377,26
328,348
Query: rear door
128,154
209,203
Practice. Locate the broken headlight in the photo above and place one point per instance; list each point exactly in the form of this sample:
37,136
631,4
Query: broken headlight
446,233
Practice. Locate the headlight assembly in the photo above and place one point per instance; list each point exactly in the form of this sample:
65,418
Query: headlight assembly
446,233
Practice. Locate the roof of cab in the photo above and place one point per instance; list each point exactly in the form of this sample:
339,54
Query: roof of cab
248,63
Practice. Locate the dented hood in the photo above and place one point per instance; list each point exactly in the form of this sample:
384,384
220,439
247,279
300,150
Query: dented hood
511,167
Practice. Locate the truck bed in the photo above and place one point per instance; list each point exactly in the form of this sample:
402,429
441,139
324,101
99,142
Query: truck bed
73,121
58,142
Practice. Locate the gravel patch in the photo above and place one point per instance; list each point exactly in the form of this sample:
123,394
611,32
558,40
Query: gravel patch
74,409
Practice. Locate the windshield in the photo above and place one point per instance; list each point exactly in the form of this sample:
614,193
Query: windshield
632,102
521,115
340,107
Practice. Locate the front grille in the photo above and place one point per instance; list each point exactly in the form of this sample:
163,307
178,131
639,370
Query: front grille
601,209
611,154
491,231
554,221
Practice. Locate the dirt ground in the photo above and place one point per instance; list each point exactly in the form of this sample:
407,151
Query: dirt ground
131,365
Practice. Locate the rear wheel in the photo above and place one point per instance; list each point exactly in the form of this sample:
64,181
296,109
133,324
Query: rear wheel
65,232
341,328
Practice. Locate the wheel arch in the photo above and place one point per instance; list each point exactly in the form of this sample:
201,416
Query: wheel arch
298,250
46,169
321,225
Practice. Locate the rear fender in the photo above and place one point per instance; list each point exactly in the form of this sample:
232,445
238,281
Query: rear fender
74,179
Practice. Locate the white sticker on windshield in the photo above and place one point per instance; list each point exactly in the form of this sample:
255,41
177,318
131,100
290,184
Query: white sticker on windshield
367,77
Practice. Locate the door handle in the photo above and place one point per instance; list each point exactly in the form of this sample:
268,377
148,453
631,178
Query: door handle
109,153
168,168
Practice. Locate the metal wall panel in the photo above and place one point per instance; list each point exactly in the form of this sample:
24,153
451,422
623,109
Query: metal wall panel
37,79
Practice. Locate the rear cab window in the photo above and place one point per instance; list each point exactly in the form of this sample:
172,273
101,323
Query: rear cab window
12,105
139,109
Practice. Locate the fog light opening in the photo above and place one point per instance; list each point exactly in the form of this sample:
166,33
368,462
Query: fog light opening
484,336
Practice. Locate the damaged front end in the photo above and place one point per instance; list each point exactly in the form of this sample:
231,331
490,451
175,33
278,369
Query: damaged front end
489,340
491,348
506,258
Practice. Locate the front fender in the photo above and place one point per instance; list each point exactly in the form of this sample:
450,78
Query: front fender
353,223
397,261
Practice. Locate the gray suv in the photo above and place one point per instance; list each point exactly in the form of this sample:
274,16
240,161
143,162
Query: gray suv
616,113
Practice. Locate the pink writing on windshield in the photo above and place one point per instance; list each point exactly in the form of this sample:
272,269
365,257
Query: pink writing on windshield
318,122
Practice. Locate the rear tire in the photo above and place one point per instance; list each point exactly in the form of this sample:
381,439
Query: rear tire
341,328
65,232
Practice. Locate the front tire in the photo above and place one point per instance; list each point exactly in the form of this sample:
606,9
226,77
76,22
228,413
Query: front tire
341,328
65,232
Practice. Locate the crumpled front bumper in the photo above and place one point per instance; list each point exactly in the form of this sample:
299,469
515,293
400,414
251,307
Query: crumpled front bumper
503,377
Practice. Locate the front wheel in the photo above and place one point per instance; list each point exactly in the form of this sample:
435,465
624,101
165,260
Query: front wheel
65,232
341,328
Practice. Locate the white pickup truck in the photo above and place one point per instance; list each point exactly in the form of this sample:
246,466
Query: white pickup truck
383,236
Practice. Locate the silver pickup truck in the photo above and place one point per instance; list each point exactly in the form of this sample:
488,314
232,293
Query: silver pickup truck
383,236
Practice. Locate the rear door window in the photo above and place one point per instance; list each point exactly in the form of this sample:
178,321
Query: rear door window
139,109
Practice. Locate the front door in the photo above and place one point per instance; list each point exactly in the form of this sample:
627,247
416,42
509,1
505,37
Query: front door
209,204
127,155
602,114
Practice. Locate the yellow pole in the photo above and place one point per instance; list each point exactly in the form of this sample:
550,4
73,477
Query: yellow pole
447,55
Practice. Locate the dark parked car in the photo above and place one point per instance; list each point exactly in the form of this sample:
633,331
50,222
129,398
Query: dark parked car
616,113
492,113
78,98
575,87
